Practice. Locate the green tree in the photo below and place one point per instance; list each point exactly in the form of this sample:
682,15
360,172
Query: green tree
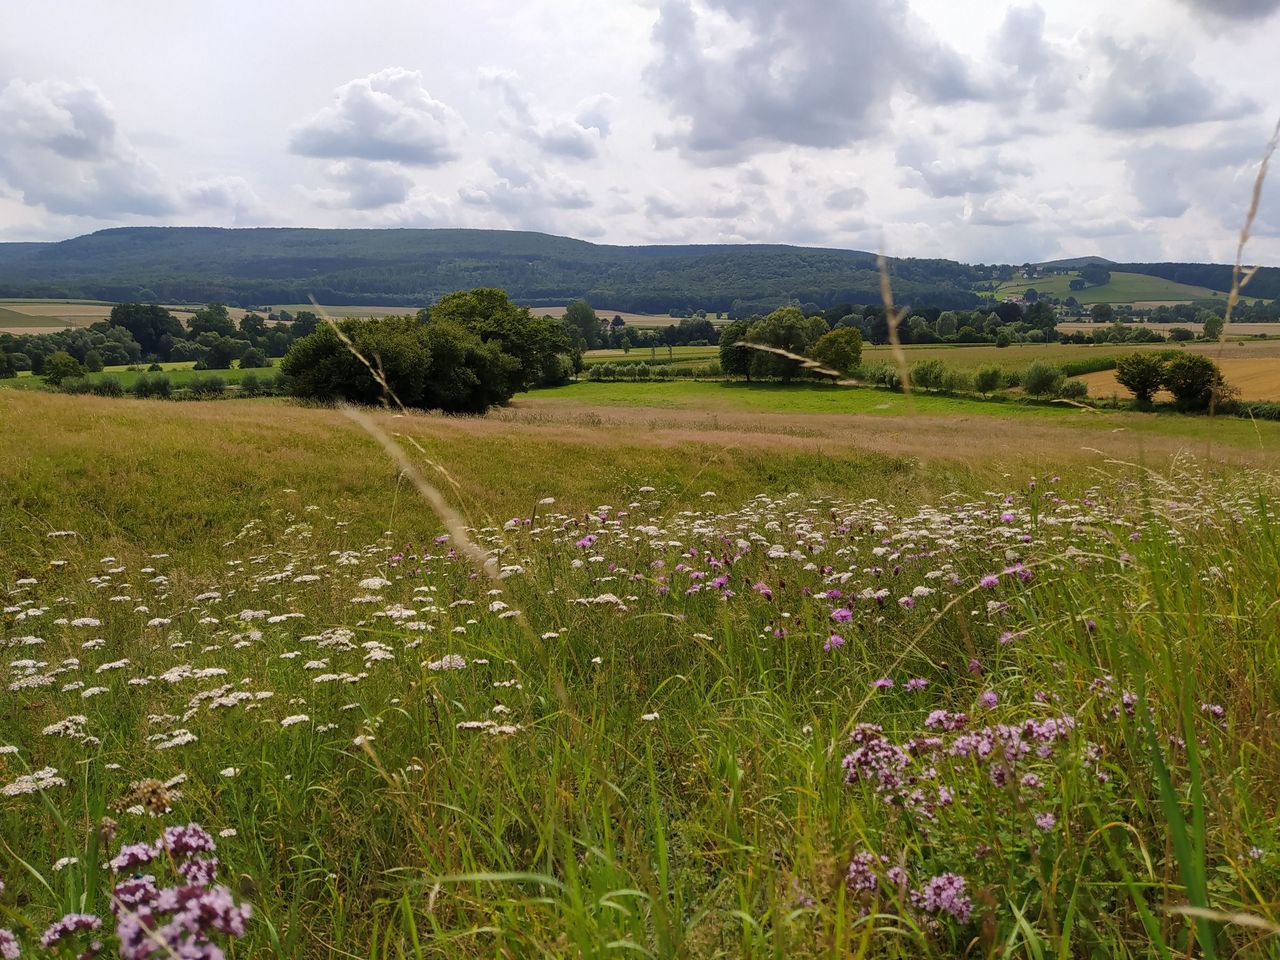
735,359
152,326
212,318
987,379
1212,324
93,361
1194,380
540,345
839,349
582,321
1101,313
1141,374
60,366
786,328
1042,379
253,358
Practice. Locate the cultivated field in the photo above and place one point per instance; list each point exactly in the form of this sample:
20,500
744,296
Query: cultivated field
750,671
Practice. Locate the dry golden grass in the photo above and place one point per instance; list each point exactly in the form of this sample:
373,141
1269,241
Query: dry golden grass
1257,378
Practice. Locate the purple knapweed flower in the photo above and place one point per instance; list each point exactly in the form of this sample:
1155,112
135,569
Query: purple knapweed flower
842,615
834,642
762,588
1046,821
915,683
586,541
988,699
884,683
989,581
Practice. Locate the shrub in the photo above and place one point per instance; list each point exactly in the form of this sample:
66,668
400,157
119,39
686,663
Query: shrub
253,358
108,387
988,379
250,385
207,386
1074,390
928,374
76,385
957,381
156,385
1042,379
93,361
154,368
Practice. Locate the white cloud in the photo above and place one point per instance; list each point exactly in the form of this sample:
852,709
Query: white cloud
388,115
62,150
575,137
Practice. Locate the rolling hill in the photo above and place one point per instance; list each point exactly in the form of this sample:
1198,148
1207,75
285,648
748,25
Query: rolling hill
412,267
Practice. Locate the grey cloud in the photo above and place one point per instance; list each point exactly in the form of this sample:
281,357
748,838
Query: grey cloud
845,199
1027,63
386,116
953,177
814,73
1168,179
1147,86
367,186
576,137
524,193
232,197
62,150
1238,10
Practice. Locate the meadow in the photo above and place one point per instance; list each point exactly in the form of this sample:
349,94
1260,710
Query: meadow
709,670
1135,288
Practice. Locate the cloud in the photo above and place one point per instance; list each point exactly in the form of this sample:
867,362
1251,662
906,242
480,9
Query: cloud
229,196
525,194
386,116
1237,10
577,137
1148,85
361,185
739,75
1026,63
61,149
954,177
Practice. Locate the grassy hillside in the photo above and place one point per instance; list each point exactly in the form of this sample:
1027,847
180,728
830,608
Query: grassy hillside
1122,288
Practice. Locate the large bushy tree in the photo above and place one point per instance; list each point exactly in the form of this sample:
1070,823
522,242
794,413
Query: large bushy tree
786,328
149,324
1142,374
545,356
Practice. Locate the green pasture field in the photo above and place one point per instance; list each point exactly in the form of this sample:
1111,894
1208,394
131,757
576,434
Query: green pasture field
1122,288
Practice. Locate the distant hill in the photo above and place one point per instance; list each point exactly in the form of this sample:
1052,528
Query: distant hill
252,267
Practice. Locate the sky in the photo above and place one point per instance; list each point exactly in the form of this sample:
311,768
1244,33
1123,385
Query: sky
969,129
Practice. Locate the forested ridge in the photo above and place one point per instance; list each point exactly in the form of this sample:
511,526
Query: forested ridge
409,267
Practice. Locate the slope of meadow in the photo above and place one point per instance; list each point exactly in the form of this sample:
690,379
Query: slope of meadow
756,691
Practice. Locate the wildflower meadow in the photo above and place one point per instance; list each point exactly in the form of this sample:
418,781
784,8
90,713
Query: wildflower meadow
1036,719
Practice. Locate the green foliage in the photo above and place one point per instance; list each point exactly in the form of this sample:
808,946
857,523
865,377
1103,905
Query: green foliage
583,323
152,385
1102,313
786,328
1193,380
988,379
206,387
1042,379
1212,324
928,374
1142,374
839,349
108,387
321,367
254,359
93,361
148,324
544,354
61,366
735,360
1074,390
